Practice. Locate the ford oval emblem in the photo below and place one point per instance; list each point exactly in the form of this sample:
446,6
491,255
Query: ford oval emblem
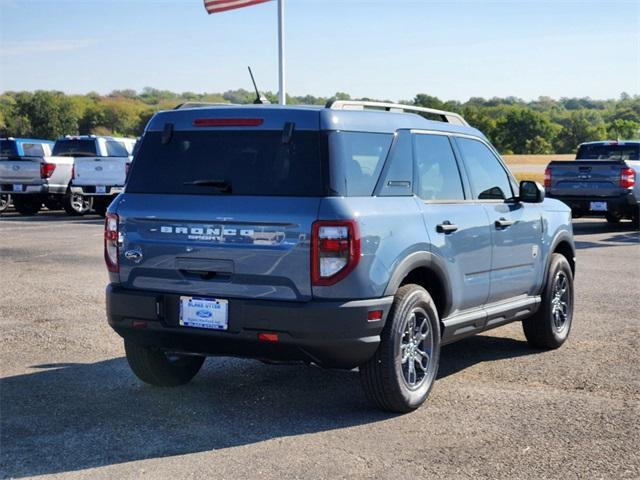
203,313
134,255
98,169
15,168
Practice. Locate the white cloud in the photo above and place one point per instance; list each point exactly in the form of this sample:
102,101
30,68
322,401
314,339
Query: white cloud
43,46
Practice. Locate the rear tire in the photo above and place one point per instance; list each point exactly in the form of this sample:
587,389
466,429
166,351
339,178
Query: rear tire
613,218
158,368
550,326
635,219
100,205
27,205
400,375
76,204
5,200
53,204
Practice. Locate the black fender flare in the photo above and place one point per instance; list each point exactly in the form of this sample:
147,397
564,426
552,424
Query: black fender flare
431,262
562,236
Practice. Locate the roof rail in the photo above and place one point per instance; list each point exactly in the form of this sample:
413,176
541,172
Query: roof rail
449,117
200,105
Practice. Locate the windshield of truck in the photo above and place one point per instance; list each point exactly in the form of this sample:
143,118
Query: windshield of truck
75,148
263,163
8,148
601,151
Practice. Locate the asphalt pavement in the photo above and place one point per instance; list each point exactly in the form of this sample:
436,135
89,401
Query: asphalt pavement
70,407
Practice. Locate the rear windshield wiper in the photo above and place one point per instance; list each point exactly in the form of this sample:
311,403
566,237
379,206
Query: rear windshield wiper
222,185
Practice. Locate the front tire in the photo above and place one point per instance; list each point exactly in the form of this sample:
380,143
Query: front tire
550,326
400,375
27,205
76,204
159,368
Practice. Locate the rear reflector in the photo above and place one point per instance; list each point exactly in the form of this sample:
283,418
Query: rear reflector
268,337
228,122
374,315
139,324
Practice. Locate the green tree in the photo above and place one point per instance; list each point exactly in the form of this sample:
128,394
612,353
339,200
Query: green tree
580,126
521,125
623,129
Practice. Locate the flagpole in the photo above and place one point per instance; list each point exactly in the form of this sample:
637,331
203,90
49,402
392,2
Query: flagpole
282,96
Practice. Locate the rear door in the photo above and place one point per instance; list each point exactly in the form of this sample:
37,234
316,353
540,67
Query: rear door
458,230
516,228
222,213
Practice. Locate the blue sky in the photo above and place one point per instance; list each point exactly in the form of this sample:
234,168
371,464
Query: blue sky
378,48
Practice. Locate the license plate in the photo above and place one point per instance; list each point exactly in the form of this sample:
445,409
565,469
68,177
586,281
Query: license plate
17,188
101,189
198,312
598,206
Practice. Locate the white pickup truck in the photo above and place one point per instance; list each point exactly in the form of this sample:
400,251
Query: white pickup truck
100,168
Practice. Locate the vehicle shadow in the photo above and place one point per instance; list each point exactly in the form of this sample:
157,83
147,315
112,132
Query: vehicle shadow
621,234
67,417
45,216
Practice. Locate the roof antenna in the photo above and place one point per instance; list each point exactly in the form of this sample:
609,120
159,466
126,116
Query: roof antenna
260,99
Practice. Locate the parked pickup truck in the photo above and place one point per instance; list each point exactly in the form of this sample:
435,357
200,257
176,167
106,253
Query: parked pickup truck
101,170
31,175
601,181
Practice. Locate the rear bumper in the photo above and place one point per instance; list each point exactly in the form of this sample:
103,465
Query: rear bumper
90,190
332,334
622,203
37,189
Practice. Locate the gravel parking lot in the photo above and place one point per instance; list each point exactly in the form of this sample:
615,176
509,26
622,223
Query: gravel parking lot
71,408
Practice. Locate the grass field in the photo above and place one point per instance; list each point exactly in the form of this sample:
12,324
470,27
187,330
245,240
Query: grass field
535,159
536,177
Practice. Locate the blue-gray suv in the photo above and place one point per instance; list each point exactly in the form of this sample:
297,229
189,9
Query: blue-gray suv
361,234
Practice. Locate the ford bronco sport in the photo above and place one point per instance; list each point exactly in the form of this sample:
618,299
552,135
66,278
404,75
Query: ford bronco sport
360,234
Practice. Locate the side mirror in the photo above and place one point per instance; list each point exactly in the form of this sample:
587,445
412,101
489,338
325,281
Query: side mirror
531,192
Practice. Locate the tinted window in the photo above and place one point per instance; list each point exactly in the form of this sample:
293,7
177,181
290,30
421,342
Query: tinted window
75,148
229,163
608,152
8,148
488,178
398,174
436,169
32,150
356,161
116,149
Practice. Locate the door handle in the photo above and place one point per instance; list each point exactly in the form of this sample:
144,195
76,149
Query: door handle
504,223
446,227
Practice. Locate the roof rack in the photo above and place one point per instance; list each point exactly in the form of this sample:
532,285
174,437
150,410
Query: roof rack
200,105
449,117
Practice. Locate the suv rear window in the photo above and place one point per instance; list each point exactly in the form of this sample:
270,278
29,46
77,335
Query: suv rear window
229,163
608,152
75,148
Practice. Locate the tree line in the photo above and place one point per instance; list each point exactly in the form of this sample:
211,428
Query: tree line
514,126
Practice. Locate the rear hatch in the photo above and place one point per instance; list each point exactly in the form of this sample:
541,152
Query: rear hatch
593,178
222,212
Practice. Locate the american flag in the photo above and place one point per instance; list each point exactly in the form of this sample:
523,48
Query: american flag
215,6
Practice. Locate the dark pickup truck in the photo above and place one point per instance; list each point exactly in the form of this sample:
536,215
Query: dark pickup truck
601,181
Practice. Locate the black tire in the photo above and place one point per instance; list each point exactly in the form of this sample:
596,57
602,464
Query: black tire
100,205
158,368
635,219
386,379
5,200
27,204
76,204
550,326
53,204
613,218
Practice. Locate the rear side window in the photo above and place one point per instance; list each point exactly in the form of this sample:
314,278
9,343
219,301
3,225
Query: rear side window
356,160
8,148
608,152
75,148
438,176
229,163
33,150
116,149
489,180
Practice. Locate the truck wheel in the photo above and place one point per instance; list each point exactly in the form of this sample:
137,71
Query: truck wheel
551,324
100,205
613,217
53,204
4,202
76,204
161,369
400,375
27,205
635,219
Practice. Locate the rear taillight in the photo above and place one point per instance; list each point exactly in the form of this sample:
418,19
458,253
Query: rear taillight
111,242
47,169
547,177
627,177
335,250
